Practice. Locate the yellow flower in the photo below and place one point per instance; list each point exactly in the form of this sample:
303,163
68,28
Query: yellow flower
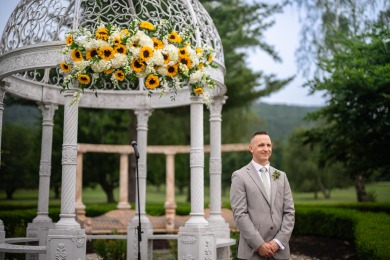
84,79
198,90
137,65
158,44
77,56
183,52
167,58
186,61
102,34
107,52
210,58
174,37
152,81
117,41
69,39
65,67
146,25
120,48
200,65
119,75
146,53
172,70
109,71
91,53
125,32
199,50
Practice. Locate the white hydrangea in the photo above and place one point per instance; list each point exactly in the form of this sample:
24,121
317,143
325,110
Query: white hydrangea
162,70
119,60
183,68
142,39
100,66
196,76
193,56
156,59
172,51
81,65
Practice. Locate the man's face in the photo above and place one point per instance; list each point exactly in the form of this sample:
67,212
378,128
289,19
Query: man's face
261,149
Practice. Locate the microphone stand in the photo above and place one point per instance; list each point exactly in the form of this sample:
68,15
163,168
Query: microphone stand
134,144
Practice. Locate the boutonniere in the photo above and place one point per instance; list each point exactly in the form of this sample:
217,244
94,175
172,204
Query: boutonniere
276,175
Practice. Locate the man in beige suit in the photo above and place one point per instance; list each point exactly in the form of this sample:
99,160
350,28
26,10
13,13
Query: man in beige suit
262,204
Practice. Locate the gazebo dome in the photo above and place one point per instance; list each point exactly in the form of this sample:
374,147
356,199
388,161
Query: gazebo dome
35,33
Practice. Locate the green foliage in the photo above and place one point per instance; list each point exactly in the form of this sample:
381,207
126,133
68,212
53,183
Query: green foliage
110,249
369,231
99,209
354,125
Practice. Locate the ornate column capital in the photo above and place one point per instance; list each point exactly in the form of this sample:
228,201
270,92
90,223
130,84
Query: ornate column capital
48,111
216,105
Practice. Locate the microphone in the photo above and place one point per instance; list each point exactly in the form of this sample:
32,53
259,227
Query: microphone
134,144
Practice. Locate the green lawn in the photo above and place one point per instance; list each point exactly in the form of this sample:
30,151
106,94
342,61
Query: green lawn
154,195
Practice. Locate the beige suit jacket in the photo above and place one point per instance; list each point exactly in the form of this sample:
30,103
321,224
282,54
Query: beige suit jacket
258,219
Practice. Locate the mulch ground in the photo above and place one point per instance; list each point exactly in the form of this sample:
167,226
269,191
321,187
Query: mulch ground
322,248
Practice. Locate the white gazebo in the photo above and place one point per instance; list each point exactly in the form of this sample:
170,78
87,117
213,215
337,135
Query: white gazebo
29,57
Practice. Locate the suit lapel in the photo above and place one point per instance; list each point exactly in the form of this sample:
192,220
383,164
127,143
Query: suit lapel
251,170
273,185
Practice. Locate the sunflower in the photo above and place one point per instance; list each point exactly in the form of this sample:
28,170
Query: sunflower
198,90
117,41
210,58
91,53
109,71
186,61
199,50
152,81
107,52
69,39
84,79
102,34
77,56
158,44
146,53
200,65
65,67
174,37
120,48
137,65
183,52
172,70
146,25
167,58
119,75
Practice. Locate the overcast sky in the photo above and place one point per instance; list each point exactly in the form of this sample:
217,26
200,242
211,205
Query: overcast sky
284,35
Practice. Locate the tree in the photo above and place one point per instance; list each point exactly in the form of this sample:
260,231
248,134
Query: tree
355,127
305,175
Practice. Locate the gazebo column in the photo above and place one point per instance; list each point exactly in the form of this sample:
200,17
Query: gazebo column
123,182
41,224
80,207
196,240
217,222
2,94
68,240
147,229
170,205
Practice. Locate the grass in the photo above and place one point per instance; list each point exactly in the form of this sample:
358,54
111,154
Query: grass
157,195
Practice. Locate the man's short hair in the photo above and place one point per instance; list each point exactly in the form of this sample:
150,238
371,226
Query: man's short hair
258,133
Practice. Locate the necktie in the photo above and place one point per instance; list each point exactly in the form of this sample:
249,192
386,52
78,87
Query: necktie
264,175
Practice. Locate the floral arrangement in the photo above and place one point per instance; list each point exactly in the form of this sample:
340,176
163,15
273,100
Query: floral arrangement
156,53
276,175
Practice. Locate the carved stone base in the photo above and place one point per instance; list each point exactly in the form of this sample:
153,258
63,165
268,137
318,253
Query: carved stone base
196,243
132,240
66,244
38,230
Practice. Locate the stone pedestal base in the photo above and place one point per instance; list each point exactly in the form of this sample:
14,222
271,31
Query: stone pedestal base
39,230
132,240
2,238
66,244
196,243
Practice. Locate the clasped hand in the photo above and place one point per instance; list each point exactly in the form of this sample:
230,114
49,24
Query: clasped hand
268,249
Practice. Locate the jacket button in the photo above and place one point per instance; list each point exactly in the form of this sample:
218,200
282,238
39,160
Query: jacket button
272,227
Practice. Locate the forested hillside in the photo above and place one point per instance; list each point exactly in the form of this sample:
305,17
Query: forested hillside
281,120
278,120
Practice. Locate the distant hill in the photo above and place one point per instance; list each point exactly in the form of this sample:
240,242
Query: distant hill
26,115
281,120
